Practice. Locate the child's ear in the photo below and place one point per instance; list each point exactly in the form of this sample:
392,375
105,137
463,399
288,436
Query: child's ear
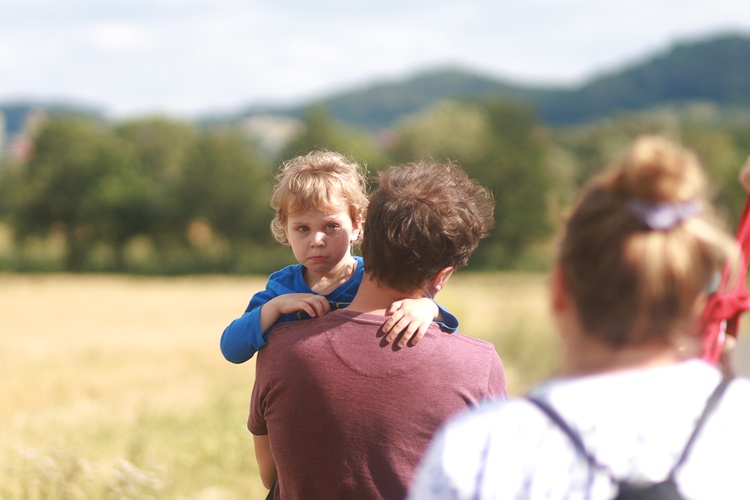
356,229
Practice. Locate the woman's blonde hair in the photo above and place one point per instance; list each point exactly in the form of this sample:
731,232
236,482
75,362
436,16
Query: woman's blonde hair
642,245
320,180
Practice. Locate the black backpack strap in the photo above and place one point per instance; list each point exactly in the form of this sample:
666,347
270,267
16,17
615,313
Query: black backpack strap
574,437
711,403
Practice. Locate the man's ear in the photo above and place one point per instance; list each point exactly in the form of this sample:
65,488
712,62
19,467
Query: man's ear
558,290
441,278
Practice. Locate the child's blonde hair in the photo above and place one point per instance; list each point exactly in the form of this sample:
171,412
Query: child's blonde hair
320,180
642,246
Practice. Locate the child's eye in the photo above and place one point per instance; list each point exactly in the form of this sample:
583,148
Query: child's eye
332,227
302,229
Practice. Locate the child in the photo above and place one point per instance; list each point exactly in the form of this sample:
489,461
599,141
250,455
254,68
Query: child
320,199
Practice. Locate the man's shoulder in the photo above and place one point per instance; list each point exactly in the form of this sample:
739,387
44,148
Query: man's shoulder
310,326
460,349
466,342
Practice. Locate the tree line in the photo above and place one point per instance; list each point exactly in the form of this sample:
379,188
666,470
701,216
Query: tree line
162,196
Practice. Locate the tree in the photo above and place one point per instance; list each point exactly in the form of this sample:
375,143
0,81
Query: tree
446,130
320,131
721,146
71,160
722,160
161,147
514,167
500,144
10,184
226,185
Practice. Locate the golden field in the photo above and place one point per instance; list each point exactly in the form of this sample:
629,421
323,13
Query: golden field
114,386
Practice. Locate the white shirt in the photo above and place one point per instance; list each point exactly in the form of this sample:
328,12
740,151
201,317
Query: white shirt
635,422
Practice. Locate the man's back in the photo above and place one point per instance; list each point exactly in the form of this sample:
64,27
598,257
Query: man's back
350,417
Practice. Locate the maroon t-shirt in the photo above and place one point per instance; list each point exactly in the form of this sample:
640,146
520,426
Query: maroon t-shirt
349,417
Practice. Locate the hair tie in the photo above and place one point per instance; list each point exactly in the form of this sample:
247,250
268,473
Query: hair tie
662,216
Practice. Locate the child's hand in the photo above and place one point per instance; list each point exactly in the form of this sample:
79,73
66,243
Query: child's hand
313,304
410,318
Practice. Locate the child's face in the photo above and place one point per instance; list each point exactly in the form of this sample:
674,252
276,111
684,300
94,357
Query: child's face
321,241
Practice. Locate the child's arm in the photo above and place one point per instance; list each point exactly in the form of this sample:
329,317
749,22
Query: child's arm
313,304
243,337
246,334
411,317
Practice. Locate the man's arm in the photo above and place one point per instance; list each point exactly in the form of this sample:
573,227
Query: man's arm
263,456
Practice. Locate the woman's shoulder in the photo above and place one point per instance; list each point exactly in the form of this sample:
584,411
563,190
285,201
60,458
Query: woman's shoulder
736,399
499,419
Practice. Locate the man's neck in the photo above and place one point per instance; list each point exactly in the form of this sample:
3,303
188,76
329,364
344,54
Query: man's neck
374,298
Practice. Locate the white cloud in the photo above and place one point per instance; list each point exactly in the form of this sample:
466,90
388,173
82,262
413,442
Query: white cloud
190,56
119,37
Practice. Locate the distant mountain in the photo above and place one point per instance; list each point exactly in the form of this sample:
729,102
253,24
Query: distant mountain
715,70
15,113
381,104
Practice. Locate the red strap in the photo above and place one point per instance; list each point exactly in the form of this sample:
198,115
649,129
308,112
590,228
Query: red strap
723,308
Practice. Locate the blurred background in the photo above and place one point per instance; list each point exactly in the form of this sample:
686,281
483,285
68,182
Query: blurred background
142,136
138,144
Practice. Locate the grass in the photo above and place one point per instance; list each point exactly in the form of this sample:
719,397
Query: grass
114,387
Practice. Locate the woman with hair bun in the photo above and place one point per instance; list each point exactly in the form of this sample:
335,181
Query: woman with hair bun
634,410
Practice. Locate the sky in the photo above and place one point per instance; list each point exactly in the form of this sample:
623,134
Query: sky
189,58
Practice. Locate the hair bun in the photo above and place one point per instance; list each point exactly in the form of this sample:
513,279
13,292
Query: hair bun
659,171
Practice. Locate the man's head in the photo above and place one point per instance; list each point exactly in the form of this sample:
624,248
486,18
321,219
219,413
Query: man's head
423,218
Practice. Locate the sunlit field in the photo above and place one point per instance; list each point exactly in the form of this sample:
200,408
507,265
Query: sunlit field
114,387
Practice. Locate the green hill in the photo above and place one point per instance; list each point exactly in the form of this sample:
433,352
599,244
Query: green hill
715,70
14,113
381,104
